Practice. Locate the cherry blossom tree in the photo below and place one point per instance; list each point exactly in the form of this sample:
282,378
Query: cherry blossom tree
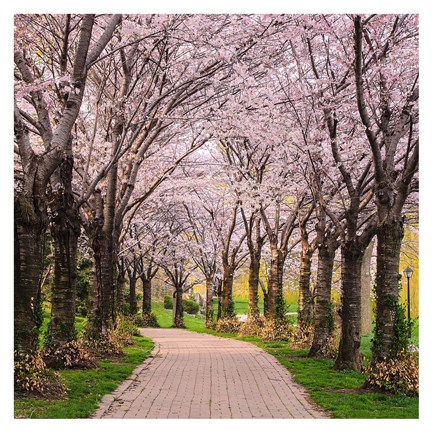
43,140
389,113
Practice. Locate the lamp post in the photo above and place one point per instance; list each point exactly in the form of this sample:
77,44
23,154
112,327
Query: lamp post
408,272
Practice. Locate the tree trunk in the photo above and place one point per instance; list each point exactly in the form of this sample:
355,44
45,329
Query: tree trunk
349,356
61,328
275,292
227,287
29,230
305,302
389,238
104,237
254,268
265,297
65,232
120,287
178,308
133,306
323,319
146,308
209,301
101,286
219,293
366,285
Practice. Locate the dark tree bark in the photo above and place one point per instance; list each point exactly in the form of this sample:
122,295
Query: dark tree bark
146,308
209,302
349,355
265,297
255,244
65,232
178,321
120,284
275,300
28,258
366,286
219,294
278,236
389,238
133,305
227,305
254,268
101,295
323,319
305,302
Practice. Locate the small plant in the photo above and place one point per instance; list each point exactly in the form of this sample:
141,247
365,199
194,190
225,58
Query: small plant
302,336
72,355
228,325
168,302
190,306
329,349
276,330
210,324
399,374
123,330
252,327
147,320
32,376
117,337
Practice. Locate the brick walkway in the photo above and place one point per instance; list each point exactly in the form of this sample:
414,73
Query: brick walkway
193,375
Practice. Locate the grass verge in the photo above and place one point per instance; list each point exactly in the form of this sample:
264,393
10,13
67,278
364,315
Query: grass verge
86,387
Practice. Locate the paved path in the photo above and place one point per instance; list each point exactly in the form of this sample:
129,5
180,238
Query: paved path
193,375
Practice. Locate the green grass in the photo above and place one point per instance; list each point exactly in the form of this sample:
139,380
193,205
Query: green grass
80,323
241,306
86,387
339,393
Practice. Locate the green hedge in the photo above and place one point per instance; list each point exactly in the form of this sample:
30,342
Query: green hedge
168,302
189,306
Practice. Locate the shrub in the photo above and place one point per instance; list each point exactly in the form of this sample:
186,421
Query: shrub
399,374
74,354
168,302
119,336
276,330
147,320
228,325
210,324
329,348
190,306
123,330
252,327
32,376
104,347
302,336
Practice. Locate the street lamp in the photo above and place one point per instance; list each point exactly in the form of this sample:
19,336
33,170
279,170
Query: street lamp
408,272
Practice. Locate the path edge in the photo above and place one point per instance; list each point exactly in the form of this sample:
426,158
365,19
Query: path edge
108,399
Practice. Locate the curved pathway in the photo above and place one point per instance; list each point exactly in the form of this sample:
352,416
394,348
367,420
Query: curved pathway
195,375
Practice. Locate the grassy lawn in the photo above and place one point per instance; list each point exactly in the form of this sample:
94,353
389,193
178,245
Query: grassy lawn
86,387
339,393
241,306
